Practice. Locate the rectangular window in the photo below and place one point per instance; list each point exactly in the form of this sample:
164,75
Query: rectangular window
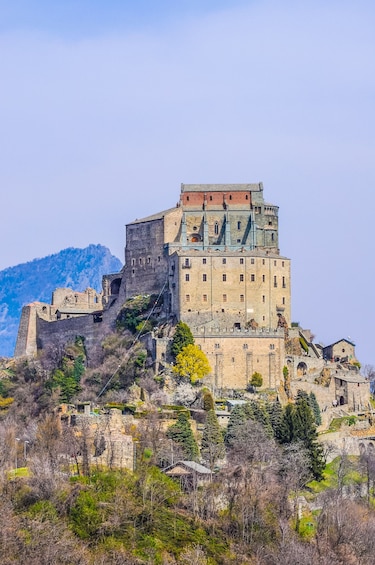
263,298
263,278
217,345
238,225
210,196
252,278
242,298
241,261
252,261
263,261
275,263
284,285
204,277
283,299
224,261
204,260
187,297
224,297
187,278
205,298
224,278
187,264
282,263
241,278
275,281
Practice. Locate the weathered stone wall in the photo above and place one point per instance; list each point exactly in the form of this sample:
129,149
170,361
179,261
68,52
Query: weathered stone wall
230,288
49,334
235,356
146,263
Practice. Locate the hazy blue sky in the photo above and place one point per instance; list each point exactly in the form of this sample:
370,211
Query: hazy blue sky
106,107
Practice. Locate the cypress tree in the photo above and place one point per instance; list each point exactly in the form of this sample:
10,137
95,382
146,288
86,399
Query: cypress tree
275,412
315,408
182,337
212,446
181,433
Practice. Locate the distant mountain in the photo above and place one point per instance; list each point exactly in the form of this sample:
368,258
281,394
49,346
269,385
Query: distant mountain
36,280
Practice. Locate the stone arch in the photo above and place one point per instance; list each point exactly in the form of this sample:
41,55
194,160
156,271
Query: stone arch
115,286
301,369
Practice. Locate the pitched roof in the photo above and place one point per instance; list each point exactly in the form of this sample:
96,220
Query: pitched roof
192,465
157,216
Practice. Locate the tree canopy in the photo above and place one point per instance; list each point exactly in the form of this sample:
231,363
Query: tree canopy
192,363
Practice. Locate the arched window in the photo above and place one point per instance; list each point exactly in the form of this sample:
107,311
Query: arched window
216,228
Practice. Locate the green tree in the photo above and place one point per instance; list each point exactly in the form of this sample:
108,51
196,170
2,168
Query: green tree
239,415
275,413
256,380
313,403
212,446
181,433
192,363
182,337
298,425
208,401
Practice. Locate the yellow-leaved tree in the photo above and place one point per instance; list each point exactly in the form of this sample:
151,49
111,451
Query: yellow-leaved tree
192,363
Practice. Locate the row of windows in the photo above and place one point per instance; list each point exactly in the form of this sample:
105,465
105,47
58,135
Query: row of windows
242,278
225,298
144,261
224,261
210,197
245,346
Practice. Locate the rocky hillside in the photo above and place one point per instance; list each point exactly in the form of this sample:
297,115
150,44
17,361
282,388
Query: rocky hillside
36,280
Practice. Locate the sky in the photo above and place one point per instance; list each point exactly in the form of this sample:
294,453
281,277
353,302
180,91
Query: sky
107,107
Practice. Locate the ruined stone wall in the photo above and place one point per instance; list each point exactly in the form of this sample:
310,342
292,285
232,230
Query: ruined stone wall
49,334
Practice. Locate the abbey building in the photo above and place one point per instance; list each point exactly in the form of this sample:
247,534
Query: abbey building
215,259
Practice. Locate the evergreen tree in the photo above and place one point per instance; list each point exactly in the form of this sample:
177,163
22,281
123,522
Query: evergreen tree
208,401
315,408
260,415
182,337
275,413
212,446
298,425
181,433
238,416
